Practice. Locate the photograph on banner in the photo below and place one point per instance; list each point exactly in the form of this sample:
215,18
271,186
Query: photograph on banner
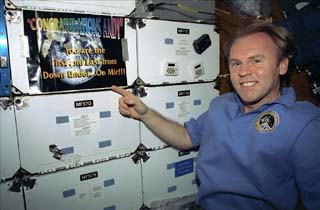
74,51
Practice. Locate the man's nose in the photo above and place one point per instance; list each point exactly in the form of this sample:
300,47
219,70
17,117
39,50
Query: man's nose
245,70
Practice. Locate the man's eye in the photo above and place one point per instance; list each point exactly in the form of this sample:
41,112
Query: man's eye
257,60
234,64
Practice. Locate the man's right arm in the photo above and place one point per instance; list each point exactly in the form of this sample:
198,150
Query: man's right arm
172,133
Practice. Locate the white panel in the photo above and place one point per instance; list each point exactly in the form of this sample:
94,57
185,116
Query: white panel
18,52
29,77
131,49
194,99
110,186
175,175
10,200
9,160
9,156
110,7
83,133
166,53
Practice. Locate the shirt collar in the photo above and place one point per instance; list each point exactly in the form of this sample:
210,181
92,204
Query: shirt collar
287,98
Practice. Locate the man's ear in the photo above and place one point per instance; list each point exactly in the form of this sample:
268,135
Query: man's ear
283,66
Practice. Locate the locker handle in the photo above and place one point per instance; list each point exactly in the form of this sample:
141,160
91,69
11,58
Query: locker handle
57,153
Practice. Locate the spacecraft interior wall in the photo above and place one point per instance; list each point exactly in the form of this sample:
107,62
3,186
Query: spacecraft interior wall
110,7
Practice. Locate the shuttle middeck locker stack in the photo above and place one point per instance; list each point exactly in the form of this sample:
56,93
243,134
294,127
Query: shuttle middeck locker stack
64,145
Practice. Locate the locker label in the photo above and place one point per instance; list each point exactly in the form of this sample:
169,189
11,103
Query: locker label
183,167
84,103
184,93
183,153
184,109
183,31
87,176
85,124
69,193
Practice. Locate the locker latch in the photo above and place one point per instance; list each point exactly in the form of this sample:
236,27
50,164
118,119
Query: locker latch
22,179
20,103
140,153
138,88
6,103
141,91
3,62
136,21
144,207
57,153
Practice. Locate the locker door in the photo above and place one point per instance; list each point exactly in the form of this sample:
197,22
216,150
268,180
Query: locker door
179,103
175,174
72,129
104,186
9,159
177,52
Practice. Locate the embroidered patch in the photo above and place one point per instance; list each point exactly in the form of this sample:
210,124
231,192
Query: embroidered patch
267,121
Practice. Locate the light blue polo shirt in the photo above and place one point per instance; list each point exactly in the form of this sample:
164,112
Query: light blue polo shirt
259,160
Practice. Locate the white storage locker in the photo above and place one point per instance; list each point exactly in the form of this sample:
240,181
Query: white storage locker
110,7
168,174
10,200
177,52
66,52
9,159
9,154
71,129
113,185
177,102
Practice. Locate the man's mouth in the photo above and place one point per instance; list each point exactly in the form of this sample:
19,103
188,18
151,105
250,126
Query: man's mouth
248,84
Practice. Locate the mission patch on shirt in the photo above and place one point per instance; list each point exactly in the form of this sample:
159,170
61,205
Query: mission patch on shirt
267,121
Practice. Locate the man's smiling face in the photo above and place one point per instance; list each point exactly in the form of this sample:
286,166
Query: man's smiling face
255,70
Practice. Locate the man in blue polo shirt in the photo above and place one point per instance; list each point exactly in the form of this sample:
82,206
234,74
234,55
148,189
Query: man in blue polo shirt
259,149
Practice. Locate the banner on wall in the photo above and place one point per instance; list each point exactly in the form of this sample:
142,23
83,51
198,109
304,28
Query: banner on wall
74,51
